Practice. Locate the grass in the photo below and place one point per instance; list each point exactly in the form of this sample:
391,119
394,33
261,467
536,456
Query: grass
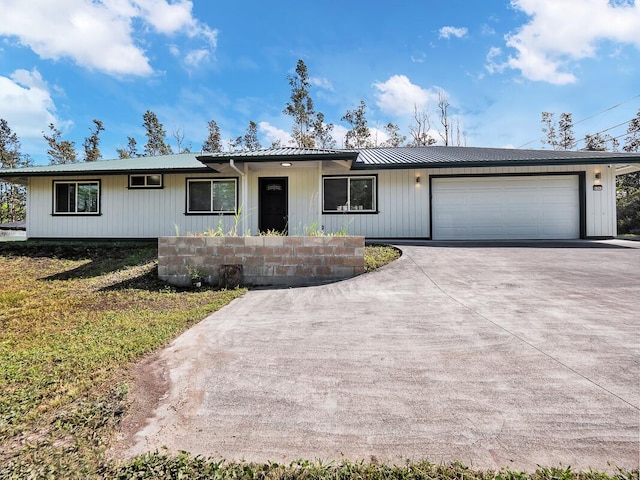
75,316
376,256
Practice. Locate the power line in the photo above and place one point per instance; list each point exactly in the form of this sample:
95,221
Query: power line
590,117
606,130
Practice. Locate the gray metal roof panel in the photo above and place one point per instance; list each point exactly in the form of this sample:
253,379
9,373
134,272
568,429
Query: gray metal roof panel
439,156
372,158
184,161
275,154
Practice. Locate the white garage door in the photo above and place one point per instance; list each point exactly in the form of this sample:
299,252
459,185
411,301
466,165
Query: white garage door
506,207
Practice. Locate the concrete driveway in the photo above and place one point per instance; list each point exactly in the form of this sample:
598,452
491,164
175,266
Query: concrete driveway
498,355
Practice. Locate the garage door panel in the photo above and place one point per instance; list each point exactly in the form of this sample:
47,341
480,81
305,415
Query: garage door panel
545,207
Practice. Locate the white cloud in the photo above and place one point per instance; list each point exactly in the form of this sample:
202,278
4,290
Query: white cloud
322,83
560,33
398,96
195,57
448,32
26,103
98,34
493,65
339,133
273,134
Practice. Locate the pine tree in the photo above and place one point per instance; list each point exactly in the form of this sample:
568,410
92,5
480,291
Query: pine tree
59,151
301,107
213,143
12,196
321,132
395,139
359,136
567,139
560,137
248,141
131,151
156,144
92,142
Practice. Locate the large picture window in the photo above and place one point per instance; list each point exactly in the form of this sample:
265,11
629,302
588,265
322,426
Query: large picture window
76,198
212,195
349,194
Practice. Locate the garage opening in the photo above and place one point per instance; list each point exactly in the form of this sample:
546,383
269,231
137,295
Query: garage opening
505,207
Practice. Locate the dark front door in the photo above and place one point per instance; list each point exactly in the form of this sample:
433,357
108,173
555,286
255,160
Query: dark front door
273,207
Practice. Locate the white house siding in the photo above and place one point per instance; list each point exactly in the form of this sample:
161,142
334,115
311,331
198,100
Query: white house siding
302,200
125,213
403,206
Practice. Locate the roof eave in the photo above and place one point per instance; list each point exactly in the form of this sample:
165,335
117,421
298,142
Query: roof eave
209,159
10,177
490,163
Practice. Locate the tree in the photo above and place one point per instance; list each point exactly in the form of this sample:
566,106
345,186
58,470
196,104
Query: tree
359,135
156,144
92,142
59,151
300,108
178,135
443,105
567,139
600,143
629,184
632,141
322,132
213,143
549,130
560,137
395,139
12,196
420,130
248,141
131,151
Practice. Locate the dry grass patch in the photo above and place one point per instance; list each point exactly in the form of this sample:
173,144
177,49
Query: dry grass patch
72,317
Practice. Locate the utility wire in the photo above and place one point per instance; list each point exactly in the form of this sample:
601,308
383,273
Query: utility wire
575,144
589,118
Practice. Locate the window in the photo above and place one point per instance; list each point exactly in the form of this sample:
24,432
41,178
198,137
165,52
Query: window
349,194
207,195
145,181
76,198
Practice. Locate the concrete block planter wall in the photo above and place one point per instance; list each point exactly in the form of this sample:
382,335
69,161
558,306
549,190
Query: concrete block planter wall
262,260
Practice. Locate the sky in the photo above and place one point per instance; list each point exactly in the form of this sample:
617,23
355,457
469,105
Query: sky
499,63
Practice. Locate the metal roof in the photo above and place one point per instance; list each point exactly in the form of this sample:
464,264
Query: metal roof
280,153
180,162
442,157
369,158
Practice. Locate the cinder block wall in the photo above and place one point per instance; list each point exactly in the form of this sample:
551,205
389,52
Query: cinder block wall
265,260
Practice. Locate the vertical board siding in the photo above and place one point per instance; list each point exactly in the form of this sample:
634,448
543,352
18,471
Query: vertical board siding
125,213
403,206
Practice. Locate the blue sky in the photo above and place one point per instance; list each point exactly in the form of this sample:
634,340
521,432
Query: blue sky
499,62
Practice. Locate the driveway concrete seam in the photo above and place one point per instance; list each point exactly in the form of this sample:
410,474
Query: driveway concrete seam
471,309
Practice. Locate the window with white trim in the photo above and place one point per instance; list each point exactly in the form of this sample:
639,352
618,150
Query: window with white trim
145,181
212,195
349,194
76,198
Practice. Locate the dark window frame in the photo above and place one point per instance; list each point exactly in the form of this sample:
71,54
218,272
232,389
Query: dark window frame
76,183
211,180
145,184
349,210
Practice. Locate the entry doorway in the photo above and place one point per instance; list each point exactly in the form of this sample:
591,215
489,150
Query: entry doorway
273,204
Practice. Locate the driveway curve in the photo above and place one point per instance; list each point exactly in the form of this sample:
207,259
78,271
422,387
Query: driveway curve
497,355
